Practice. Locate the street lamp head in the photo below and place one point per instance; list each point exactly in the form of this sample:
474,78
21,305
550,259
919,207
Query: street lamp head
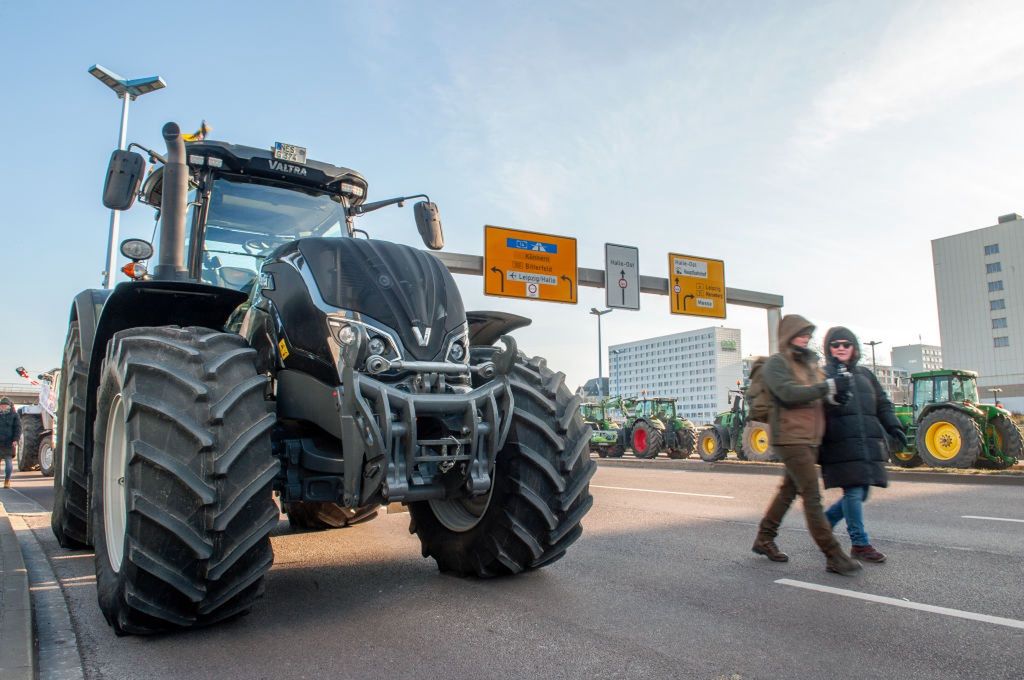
596,312
135,87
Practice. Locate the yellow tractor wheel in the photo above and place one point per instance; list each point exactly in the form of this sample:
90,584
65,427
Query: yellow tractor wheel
949,438
757,442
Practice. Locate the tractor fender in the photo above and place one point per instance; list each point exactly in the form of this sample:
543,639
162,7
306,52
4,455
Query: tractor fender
928,408
485,328
147,303
85,309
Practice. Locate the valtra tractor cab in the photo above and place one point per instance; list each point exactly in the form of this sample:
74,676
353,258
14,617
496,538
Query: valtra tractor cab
948,426
277,349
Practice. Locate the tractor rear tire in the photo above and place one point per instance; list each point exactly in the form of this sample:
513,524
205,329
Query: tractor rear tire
540,489
316,516
46,456
647,441
616,451
28,445
182,469
70,517
1009,437
905,459
949,438
710,447
685,443
757,442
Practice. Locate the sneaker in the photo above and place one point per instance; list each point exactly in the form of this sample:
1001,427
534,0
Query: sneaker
867,553
769,550
839,563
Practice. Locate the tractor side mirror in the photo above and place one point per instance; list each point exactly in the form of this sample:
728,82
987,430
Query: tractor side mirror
428,221
124,176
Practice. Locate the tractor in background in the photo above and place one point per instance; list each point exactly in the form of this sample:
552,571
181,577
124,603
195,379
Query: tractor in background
734,430
38,421
605,431
948,426
652,425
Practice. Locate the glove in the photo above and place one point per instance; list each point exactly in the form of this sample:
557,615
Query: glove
899,438
839,388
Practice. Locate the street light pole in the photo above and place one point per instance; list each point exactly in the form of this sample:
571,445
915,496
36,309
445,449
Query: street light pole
995,394
126,91
600,362
873,343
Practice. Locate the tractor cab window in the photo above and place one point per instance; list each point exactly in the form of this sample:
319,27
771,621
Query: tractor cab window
923,393
965,389
942,389
246,221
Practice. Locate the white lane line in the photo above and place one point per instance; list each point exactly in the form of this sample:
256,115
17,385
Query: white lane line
994,519
674,493
906,604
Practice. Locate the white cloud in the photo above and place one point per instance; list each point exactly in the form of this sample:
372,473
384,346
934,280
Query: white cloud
930,54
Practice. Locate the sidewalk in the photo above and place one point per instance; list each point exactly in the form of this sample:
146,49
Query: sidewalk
16,653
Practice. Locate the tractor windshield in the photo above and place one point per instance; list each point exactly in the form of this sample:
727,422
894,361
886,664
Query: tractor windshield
246,220
965,389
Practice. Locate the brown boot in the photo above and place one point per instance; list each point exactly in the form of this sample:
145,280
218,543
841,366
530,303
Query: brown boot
840,563
7,484
867,553
767,547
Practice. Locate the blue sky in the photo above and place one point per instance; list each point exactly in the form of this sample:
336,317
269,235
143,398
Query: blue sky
815,147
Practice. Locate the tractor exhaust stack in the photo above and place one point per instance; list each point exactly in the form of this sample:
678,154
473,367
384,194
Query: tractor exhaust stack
173,205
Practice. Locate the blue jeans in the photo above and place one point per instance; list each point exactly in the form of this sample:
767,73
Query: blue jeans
851,507
8,466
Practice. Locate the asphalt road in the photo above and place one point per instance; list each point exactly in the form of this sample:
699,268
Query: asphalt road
662,585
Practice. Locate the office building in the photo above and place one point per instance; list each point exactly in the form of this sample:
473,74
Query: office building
696,368
916,358
979,285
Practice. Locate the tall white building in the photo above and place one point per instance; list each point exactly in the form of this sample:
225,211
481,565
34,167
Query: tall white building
916,358
979,283
696,368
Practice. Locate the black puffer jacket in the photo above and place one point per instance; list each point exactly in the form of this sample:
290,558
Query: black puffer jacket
10,425
854,451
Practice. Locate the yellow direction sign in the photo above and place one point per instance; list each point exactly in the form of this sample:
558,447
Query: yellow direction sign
696,285
525,264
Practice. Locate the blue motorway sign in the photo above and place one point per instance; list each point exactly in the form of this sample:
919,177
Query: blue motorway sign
538,246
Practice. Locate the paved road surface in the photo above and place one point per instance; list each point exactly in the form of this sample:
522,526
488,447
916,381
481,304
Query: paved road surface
662,585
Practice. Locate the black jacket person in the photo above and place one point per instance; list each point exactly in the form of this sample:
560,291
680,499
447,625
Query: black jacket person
10,432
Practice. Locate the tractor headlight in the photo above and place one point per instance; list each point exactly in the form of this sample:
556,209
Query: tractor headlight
458,352
377,345
343,332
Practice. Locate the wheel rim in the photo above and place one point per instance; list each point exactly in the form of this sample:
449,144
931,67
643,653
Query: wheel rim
709,444
759,439
115,505
45,456
903,455
640,440
462,514
944,441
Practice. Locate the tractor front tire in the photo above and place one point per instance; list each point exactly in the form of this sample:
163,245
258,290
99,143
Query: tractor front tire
757,442
1009,439
540,487
181,479
70,517
616,451
317,516
905,459
709,445
685,443
28,445
647,441
949,438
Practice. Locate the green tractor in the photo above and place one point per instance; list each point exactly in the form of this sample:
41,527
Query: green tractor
733,430
653,424
948,426
605,432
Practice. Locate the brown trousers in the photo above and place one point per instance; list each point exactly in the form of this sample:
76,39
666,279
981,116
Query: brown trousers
801,479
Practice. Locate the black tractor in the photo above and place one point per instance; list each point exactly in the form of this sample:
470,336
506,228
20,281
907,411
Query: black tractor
277,350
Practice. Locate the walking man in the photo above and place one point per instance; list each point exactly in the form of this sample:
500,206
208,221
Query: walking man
10,433
798,388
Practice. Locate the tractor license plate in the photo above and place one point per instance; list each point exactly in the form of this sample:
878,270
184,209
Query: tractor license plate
289,153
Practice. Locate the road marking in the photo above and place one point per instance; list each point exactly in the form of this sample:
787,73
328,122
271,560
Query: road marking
906,604
674,493
994,519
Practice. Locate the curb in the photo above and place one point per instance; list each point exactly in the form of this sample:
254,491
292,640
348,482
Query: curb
16,646
749,467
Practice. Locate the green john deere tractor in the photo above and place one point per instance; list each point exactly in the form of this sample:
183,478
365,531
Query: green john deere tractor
948,426
653,424
734,430
605,432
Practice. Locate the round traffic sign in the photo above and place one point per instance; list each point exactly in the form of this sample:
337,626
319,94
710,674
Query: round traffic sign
622,283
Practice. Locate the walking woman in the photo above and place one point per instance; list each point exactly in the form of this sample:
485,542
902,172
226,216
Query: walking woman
854,451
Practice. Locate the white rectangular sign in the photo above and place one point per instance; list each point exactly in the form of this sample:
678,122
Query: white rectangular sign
621,276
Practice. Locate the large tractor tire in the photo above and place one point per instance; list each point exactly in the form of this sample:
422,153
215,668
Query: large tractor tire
615,451
757,442
684,445
647,441
46,456
70,517
1008,440
182,468
710,447
905,459
28,445
949,438
540,490
316,516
